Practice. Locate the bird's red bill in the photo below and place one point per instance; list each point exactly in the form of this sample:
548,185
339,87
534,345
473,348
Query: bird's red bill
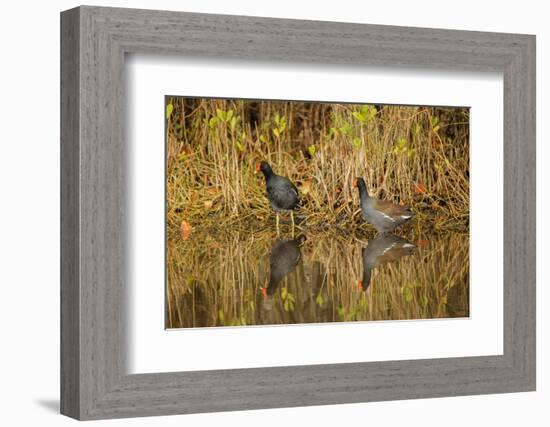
354,183
257,167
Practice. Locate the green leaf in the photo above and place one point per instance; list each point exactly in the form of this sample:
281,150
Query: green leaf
213,122
290,304
169,109
222,115
356,142
369,112
311,150
233,122
319,300
239,146
435,123
263,138
280,124
346,129
400,146
358,116
407,293
229,115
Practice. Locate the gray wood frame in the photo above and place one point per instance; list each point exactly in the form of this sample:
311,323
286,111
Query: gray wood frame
94,382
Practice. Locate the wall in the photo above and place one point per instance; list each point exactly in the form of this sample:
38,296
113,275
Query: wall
29,191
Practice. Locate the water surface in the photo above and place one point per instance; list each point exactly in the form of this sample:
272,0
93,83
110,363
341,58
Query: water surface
256,277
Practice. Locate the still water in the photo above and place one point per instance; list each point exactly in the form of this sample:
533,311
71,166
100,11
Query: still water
256,277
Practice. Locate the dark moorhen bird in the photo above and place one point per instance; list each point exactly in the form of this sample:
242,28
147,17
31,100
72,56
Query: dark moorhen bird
284,257
383,215
281,193
382,249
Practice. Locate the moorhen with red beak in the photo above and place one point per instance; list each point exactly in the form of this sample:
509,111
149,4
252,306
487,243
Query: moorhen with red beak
384,248
383,215
281,193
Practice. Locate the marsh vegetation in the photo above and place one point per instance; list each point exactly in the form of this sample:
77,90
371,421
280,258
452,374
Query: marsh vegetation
221,239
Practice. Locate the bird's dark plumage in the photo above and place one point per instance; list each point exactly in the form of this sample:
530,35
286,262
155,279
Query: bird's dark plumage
281,193
285,255
383,215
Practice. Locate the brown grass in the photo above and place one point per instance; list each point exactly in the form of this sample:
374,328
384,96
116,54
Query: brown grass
413,155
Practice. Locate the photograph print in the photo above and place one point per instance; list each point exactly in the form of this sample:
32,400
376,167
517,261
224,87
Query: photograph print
293,212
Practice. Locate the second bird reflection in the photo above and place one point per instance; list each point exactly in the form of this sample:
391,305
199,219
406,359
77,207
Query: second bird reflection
384,248
286,254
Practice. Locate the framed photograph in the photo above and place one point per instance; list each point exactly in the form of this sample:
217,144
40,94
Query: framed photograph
284,249
261,213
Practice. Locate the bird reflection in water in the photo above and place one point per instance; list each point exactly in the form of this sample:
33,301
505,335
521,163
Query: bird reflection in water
285,256
384,248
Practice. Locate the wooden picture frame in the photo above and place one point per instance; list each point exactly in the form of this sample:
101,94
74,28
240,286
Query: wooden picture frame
94,382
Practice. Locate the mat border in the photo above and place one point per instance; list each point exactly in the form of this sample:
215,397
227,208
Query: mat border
94,42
